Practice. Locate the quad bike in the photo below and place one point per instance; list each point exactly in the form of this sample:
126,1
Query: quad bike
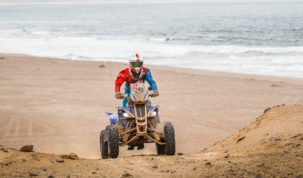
137,124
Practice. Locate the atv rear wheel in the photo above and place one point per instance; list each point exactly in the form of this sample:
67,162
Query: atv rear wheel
113,142
170,145
103,145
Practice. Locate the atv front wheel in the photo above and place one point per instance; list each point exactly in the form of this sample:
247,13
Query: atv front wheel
113,142
170,145
160,148
103,146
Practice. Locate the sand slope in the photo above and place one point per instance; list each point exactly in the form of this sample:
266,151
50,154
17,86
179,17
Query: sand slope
277,122
59,105
256,156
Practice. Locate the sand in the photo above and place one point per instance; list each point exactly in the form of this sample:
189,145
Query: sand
59,105
255,155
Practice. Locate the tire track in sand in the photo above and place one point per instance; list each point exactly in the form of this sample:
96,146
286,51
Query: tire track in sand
12,127
17,128
30,128
9,127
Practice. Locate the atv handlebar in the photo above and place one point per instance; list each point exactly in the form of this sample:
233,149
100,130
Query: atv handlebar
150,94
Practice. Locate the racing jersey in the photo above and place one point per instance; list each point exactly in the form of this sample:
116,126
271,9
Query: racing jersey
126,76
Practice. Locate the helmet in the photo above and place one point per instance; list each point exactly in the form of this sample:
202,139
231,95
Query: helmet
136,63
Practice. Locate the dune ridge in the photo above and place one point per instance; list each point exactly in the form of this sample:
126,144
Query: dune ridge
272,125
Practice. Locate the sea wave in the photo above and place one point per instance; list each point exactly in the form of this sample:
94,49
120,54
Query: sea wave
286,61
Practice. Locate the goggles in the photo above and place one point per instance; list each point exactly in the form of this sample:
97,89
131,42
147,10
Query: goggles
137,64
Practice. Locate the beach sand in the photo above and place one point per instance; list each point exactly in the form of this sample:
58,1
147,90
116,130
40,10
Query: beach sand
270,146
59,105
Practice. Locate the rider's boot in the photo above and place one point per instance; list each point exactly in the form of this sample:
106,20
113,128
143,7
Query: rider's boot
141,146
130,147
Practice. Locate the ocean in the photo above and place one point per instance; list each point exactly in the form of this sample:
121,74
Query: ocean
249,38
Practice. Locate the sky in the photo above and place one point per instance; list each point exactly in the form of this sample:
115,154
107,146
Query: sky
206,1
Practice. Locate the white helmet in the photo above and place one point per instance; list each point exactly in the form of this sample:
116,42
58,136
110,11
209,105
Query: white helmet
136,63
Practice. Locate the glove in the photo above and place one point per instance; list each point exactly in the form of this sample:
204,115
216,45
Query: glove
119,95
155,93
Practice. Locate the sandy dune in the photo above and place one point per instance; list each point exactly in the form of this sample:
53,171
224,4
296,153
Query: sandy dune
257,155
277,122
59,105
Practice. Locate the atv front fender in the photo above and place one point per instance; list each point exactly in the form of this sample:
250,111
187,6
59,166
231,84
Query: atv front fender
152,109
128,111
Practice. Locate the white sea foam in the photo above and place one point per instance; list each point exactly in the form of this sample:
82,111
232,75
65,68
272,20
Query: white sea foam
159,39
253,60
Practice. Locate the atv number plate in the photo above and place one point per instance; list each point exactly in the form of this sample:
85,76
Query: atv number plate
139,87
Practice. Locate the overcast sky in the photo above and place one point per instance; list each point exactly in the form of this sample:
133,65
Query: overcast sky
207,1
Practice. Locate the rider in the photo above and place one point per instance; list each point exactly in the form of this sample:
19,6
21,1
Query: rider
132,74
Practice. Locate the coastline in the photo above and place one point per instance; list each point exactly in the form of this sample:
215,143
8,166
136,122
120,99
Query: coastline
201,70
59,105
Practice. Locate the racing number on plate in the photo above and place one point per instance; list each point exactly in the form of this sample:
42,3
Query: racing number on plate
139,87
